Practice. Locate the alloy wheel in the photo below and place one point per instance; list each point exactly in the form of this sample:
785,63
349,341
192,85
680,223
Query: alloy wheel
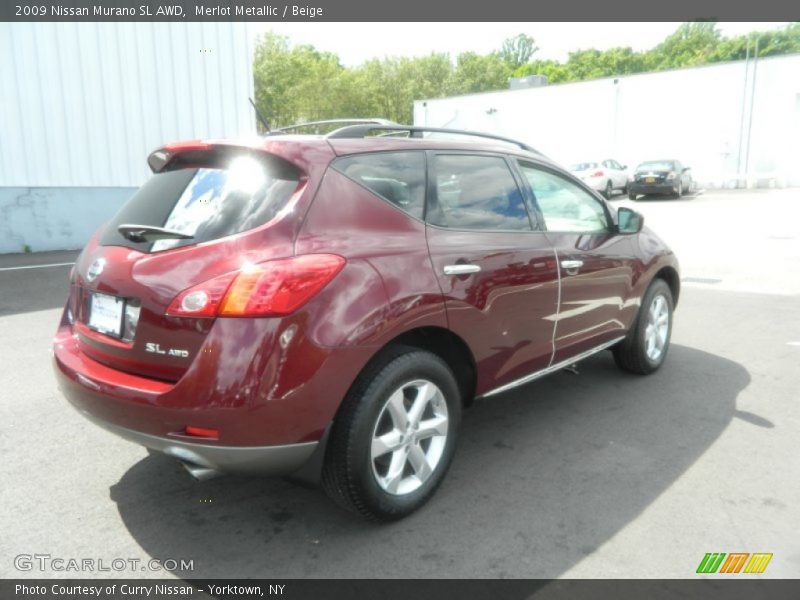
409,437
657,329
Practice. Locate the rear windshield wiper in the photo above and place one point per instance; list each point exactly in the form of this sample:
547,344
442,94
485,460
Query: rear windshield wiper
148,233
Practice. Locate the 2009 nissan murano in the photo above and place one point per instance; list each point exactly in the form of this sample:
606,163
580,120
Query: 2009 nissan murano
324,306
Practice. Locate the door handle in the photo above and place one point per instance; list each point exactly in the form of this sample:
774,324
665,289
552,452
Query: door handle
461,269
571,265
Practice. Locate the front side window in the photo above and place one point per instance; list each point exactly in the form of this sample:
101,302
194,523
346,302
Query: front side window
398,177
565,206
476,192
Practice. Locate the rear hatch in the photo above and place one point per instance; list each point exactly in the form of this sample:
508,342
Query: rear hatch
209,211
586,170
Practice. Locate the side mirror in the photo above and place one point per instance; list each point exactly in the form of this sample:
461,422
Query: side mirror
686,169
629,221
624,167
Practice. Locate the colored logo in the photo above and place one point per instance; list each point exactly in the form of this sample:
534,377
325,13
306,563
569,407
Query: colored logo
734,562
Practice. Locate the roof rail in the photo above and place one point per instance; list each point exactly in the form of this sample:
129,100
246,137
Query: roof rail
363,129
342,122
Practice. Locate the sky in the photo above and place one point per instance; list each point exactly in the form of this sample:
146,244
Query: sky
357,42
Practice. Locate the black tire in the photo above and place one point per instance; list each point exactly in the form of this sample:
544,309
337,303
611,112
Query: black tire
679,192
632,196
609,191
349,476
631,353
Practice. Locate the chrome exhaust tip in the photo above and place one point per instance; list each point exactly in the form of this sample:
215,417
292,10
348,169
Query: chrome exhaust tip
193,463
200,473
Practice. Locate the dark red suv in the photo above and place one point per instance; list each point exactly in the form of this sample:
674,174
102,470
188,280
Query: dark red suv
324,306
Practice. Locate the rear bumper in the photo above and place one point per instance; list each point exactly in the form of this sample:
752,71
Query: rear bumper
653,188
204,460
596,183
271,403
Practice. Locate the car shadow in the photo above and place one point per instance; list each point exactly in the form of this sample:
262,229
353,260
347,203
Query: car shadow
543,476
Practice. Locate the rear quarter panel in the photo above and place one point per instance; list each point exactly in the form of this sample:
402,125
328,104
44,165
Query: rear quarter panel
388,285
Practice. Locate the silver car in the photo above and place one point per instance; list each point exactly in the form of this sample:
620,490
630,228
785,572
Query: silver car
605,176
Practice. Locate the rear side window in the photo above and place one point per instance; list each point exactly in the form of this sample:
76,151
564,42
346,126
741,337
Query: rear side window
476,192
398,177
206,203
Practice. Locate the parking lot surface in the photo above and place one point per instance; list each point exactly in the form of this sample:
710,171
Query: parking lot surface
595,474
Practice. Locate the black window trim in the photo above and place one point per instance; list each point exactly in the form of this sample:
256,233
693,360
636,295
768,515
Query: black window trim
521,162
431,190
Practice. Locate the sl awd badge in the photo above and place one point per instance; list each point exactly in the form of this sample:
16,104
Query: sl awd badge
157,349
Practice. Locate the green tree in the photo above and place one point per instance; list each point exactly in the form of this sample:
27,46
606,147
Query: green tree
289,80
518,50
300,83
479,73
692,44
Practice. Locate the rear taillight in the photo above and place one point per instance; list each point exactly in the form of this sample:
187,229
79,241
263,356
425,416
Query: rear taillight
273,288
598,174
202,300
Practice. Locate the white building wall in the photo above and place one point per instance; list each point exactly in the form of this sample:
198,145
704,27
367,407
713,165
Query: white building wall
83,104
694,115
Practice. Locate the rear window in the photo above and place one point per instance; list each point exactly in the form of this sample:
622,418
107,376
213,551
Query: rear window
661,165
583,166
206,203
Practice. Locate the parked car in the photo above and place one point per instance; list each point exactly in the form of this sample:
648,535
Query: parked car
605,176
660,177
324,306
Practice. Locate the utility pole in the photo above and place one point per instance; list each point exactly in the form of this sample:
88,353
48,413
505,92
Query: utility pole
739,177
752,102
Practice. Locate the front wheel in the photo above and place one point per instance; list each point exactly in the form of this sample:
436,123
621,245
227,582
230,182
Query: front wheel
609,191
394,437
645,347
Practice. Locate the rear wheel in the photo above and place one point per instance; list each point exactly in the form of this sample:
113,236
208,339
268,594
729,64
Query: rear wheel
394,437
645,347
631,196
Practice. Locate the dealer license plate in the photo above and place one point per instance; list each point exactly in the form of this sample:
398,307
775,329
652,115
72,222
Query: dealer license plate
105,314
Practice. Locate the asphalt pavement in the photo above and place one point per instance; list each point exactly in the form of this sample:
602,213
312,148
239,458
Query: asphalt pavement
595,474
